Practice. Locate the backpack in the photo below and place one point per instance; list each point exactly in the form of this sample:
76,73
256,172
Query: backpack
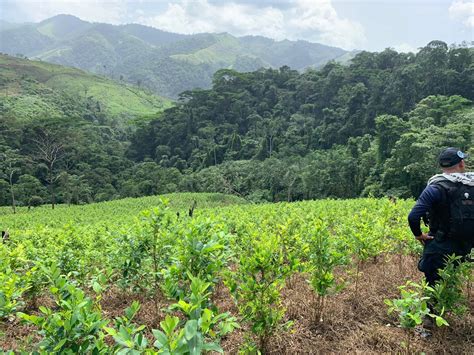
459,199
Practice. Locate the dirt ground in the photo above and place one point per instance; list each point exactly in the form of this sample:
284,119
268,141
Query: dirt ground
352,322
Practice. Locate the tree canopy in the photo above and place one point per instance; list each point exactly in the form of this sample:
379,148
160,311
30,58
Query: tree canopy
374,127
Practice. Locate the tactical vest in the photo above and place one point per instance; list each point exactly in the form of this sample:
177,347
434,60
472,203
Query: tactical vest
452,220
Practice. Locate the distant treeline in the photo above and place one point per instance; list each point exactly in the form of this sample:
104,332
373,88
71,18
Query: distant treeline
374,127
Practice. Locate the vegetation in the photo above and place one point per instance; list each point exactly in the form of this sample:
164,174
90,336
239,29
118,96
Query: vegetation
372,128
187,273
342,131
34,90
62,272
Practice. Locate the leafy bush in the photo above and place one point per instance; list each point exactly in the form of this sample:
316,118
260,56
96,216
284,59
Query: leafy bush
257,283
75,325
323,258
203,328
35,201
128,337
15,280
412,308
447,293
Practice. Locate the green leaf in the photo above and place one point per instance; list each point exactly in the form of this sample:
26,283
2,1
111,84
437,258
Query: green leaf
190,329
110,331
97,287
169,324
60,345
440,321
212,347
206,319
161,338
44,310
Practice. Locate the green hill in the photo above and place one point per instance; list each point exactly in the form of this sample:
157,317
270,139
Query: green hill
34,89
167,63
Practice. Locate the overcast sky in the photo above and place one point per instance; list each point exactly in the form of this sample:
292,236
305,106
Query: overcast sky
349,24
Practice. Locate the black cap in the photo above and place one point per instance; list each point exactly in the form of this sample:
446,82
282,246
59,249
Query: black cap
450,157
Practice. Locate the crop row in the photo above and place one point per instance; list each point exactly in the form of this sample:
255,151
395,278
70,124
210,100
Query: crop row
253,251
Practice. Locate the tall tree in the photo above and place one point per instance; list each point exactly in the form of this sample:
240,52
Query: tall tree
10,161
49,151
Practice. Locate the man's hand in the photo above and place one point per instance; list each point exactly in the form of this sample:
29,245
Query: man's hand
424,237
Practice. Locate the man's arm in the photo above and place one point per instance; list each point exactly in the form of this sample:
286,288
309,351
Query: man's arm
430,196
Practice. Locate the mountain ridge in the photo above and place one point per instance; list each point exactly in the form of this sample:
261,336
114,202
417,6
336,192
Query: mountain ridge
165,62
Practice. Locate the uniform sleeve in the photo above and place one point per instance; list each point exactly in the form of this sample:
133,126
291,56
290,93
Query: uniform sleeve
430,196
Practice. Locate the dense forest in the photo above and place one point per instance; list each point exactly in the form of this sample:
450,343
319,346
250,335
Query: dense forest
374,127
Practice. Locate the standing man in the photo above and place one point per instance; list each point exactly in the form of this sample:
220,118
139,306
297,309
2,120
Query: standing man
448,201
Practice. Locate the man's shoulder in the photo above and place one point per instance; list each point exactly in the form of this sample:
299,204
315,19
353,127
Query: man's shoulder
432,193
453,179
437,179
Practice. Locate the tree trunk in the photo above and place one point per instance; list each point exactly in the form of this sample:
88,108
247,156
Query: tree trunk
155,271
51,187
270,148
52,196
12,192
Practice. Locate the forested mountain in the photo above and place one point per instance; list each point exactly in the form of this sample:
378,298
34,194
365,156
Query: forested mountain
374,127
164,62
57,120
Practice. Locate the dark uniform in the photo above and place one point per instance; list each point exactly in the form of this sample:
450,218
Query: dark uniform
445,201
434,202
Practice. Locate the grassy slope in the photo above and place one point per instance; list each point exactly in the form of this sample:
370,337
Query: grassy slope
115,98
128,209
224,51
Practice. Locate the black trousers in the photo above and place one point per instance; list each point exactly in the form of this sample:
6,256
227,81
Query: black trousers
429,265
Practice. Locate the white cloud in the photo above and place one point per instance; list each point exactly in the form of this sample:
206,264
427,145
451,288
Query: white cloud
318,21
312,20
405,48
195,16
462,10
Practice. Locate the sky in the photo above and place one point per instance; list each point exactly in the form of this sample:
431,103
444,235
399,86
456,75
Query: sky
350,24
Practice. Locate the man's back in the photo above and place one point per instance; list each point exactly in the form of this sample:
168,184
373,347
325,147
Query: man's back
451,218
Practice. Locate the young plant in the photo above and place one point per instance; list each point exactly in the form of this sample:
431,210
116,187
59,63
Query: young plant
256,286
15,280
197,307
322,259
158,222
170,340
294,248
12,288
202,250
412,308
363,241
130,260
75,325
129,338
187,340
447,293
203,327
